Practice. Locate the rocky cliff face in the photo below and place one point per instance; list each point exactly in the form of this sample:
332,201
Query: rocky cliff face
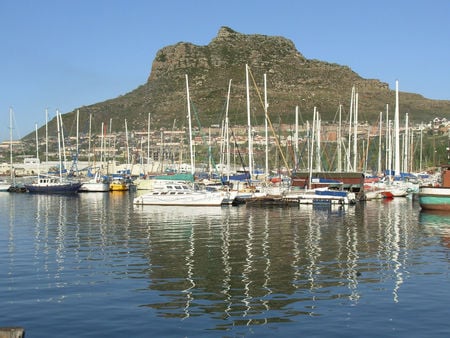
292,80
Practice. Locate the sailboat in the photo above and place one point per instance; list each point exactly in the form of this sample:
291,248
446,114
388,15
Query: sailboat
97,181
53,184
174,193
4,185
12,185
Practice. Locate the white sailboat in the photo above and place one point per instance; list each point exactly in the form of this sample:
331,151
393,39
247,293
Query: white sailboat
97,183
179,193
4,184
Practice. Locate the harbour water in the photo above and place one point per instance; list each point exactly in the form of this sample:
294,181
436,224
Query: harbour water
94,265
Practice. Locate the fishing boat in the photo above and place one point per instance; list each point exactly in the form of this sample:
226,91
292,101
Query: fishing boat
179,194
50,184
118,184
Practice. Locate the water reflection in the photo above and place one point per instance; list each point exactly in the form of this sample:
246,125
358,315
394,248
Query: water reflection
233,265
437,223
272,260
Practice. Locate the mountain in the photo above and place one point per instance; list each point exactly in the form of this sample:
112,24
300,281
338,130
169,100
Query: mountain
292,80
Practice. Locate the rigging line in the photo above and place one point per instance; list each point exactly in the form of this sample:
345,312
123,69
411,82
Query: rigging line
330,160
202,135
291,149
240,157
277,141
326,162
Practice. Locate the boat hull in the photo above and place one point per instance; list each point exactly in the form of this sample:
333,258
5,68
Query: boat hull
65,188
322,197
270,201
195,199
434,198
94,187
118,187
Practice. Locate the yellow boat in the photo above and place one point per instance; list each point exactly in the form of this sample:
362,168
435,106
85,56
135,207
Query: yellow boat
118,184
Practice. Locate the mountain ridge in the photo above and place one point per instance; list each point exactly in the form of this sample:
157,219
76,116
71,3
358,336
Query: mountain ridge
292,80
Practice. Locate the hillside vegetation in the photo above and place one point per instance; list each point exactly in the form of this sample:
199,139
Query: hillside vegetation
292,80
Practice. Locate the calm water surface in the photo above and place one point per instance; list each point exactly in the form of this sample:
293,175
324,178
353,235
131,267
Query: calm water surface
94,265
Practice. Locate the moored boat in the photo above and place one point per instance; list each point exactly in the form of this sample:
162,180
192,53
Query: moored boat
4,185
179,194
48,184
271,201
95,184
118,184
438,197
320,196
434,198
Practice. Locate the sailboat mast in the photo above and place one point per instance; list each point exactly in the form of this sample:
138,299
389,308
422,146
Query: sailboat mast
308,143
59,143
396,133
411,153
89,143
380,131
350,128
62,140
109,145
227,135
46,135
78,127
127,144
10,144
148,140
266,129
355,134
37,147
318,144
249,127
421,147
311,152
190,126
296,140
387,164
102,140
339,142
406,146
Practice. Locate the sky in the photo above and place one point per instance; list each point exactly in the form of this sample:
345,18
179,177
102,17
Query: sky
65,54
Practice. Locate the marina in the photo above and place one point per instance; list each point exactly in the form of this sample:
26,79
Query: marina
95,264
284,208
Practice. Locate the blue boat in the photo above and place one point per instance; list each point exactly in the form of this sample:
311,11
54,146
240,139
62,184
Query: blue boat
47,184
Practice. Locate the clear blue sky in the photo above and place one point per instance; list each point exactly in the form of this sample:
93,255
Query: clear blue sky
64,54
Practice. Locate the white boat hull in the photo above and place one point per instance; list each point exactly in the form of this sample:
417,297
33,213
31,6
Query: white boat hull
94,187
188,199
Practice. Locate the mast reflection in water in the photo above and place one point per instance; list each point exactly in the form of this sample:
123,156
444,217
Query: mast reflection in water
95,265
